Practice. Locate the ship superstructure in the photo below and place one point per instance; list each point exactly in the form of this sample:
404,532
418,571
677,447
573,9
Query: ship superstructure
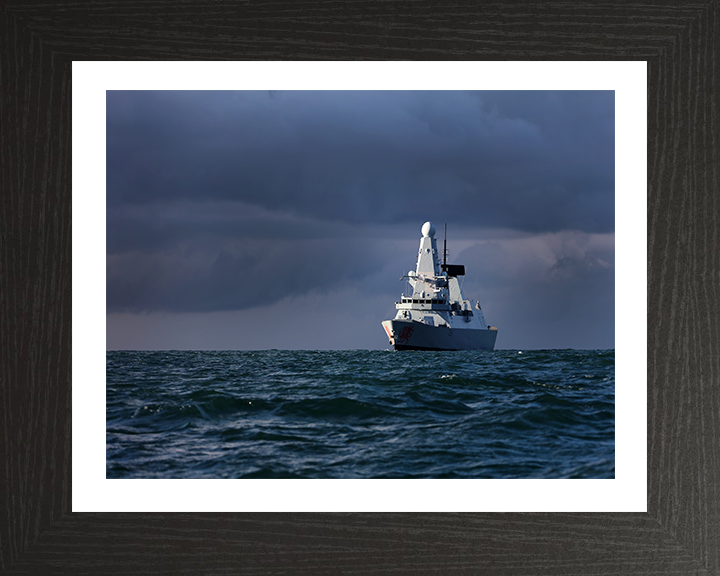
436,315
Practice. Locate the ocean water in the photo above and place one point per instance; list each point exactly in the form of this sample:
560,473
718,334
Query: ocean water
361,414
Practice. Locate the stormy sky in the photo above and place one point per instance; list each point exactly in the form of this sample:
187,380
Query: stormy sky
256,220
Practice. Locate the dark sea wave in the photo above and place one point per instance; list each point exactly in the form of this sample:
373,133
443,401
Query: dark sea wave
361,414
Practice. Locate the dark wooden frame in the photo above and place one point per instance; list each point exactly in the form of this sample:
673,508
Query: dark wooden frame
680,533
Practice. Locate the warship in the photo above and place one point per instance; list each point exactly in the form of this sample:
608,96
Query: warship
435,315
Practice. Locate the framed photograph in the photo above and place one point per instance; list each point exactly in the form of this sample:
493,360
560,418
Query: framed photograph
218,202
64,517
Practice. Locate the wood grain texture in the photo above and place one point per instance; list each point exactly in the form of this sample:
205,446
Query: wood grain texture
680,534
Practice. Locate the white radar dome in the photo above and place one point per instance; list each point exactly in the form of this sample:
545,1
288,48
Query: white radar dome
428,230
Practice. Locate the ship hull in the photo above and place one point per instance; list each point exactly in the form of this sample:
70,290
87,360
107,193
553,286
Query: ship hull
409,335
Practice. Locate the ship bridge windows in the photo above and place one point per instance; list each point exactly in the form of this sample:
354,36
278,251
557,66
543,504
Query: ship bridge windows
431,301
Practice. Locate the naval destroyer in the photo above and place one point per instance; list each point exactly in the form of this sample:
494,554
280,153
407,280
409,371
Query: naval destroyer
436,316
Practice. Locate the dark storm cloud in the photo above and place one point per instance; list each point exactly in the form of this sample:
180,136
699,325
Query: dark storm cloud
233,276
530,161
228,200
